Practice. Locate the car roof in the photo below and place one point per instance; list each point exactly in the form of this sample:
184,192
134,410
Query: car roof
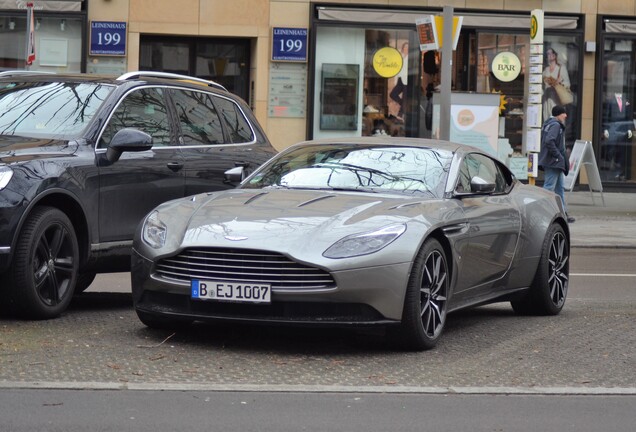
136,76
395,141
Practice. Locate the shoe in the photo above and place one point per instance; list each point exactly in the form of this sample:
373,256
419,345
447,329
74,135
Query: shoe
571,219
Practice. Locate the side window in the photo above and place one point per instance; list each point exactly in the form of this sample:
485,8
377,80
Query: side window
484,167
143,109
235,122
199,120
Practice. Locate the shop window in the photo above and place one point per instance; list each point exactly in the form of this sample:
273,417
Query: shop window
618,96
58,43
225,61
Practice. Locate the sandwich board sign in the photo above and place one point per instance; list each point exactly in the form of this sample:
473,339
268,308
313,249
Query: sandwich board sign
583,154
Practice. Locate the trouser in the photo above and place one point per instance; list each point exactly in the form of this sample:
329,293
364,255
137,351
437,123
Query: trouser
553,179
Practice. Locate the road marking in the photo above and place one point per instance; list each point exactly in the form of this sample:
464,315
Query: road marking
258,388
603,274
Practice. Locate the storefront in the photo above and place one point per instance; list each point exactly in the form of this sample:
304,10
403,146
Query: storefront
616,94
370,77
59,33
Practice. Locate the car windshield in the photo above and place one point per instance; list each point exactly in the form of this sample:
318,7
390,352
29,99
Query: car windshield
49,110
368,168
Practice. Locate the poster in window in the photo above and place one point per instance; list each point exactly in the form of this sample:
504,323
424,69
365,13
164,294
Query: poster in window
339,97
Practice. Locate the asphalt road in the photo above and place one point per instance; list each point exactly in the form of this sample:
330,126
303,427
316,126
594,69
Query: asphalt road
98,368
150,411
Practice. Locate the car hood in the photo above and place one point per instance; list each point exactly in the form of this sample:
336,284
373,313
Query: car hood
16,148
298,222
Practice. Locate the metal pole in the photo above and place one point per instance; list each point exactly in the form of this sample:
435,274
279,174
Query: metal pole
446,68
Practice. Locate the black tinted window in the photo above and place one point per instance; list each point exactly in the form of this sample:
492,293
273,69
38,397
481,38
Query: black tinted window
143,109
237,125
200,123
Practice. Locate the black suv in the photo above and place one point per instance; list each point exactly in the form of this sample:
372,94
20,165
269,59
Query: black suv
83,158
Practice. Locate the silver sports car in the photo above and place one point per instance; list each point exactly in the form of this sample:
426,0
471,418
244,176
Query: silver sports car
355,232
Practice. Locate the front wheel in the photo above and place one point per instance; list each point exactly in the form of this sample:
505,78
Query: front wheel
549,288
44,269
426,300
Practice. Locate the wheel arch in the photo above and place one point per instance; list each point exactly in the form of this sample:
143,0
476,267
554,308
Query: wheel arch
438,234
69,205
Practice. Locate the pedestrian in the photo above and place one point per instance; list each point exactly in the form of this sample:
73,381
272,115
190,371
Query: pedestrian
552,157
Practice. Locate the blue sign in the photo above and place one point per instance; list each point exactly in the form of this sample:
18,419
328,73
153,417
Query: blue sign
289,44
108,38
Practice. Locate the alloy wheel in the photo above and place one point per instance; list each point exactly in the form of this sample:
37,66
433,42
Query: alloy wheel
53,264
558,269
434,293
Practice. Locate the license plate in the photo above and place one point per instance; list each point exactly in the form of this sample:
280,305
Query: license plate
230,291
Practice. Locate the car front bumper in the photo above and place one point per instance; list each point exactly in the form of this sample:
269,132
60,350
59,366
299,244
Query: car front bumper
365,296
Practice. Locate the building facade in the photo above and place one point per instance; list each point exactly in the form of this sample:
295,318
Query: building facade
320,69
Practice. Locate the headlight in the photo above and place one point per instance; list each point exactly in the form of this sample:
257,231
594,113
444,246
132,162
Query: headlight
5,176
365,243
154,231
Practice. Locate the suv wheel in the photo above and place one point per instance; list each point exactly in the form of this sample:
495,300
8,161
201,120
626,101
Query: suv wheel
44,269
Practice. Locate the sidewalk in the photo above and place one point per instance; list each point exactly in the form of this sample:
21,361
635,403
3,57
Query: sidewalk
611,225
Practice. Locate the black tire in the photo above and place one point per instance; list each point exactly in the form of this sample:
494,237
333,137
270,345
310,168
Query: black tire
84,280
44,268
161,322
549,287
426,300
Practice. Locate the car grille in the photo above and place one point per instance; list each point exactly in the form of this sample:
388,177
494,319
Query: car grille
243,266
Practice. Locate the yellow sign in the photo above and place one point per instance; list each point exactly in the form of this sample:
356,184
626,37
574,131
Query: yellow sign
536,26
439,25
387,62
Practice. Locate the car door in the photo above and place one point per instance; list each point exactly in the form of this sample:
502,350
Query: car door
494,225
138,181
215,137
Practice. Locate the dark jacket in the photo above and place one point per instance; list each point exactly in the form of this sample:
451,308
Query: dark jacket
552,154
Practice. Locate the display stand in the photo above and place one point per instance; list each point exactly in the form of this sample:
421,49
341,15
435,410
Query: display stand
583,154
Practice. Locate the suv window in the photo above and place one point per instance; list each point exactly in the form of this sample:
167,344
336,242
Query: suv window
200,123
143,109
238,127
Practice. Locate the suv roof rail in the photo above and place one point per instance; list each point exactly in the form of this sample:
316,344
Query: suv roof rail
17,72
168,75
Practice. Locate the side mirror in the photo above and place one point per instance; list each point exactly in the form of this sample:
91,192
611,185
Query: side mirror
234,176
128,139
479,185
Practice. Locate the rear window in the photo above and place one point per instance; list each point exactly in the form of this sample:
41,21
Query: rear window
49,110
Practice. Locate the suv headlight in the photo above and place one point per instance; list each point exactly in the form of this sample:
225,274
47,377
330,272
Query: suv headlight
154,231
5,176
364,243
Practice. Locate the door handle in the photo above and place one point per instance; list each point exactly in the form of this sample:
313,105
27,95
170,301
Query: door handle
174,166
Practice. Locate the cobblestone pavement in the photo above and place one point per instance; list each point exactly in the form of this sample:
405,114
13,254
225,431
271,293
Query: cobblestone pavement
590,345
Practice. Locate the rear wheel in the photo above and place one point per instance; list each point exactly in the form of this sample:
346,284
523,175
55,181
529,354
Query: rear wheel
549,288
44,269
425,305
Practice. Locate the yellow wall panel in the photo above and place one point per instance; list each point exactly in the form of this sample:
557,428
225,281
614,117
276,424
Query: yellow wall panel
617,7
236,12
165,11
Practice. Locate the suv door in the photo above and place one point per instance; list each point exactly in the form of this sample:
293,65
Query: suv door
133,185
215,136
